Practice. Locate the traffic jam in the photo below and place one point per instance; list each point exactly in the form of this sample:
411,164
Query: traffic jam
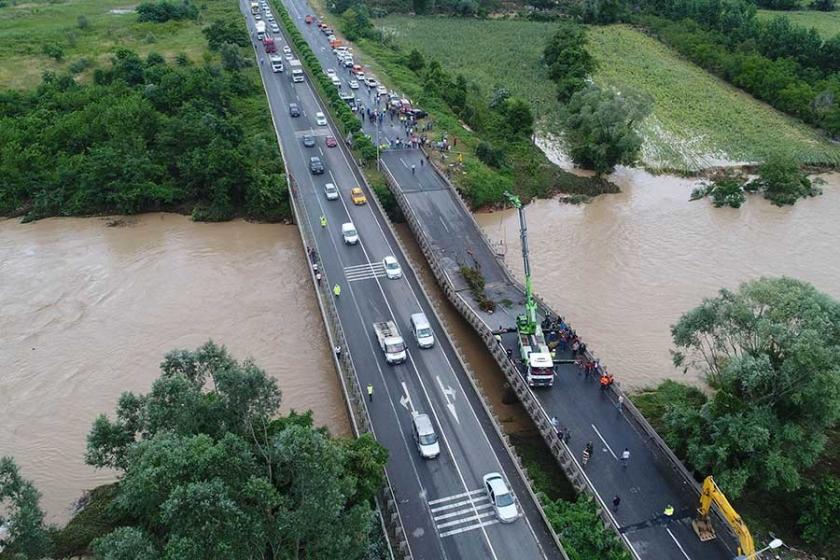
367,97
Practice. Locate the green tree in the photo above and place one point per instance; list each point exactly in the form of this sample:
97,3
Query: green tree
600,128
783,182
21,514
126,543
820,519
518,117
232,58
771,351
415,60
569,63
220,32
210,471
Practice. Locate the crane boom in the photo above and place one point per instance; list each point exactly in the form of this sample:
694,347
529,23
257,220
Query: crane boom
703,527
526,323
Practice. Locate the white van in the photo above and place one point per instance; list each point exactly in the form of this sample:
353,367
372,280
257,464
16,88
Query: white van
425,436
297,75
349,233
422,330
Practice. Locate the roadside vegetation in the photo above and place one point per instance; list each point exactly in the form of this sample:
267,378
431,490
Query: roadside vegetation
142,134
768,431
209,469
696,120
489,131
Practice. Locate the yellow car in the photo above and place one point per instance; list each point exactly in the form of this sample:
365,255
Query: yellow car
357,196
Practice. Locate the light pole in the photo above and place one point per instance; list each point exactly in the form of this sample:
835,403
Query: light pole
774,544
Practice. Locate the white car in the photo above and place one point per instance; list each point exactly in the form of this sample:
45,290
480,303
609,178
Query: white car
287,49
257,17
331,191
289,56
371,82
336,81
320,119
381,90
330,72
392,268
353,84
501,498
275,28
360,76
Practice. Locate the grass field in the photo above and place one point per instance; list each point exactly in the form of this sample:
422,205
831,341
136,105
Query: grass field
26,27
698,121
827,24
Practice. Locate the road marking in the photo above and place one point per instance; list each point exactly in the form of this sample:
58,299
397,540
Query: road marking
449,394
678,544
405,400
454,505
366,271
462,511
439,218
470,528
605,441
455,496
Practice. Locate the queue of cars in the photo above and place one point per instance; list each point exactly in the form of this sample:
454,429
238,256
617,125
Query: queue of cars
425,438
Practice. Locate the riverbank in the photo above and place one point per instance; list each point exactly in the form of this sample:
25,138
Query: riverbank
90,309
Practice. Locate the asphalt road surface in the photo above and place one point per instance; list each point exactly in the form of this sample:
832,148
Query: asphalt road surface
648,483
441,501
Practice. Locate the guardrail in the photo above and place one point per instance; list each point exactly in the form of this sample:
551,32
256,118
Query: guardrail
354,400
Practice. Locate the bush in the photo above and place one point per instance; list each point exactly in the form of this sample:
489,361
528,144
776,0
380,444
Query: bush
582,531
220,32
232,58
494,157
80,65
782,182
53,51
820,519
161,11
82,22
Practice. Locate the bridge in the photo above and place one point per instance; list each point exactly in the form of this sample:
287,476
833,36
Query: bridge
437,508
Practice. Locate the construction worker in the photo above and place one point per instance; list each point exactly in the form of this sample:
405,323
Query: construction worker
625,457
669,511
337,351
337,290
370,392
605,381
323,221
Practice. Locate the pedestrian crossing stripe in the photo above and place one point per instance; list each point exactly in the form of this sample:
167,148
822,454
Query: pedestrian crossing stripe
367,271
459,513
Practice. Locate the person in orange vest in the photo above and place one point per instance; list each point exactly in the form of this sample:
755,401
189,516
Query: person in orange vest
604,381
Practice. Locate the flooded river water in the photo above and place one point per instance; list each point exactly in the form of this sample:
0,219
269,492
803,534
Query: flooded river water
88,311
623,268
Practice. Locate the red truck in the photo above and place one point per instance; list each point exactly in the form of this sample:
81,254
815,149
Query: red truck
268,43
308,19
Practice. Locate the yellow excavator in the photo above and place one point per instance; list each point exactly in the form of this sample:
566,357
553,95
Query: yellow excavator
703,525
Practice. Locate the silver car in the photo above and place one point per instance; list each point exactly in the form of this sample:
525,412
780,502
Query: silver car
502,499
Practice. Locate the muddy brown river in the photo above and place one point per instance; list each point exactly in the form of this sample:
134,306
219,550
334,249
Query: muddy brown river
88,311
623,268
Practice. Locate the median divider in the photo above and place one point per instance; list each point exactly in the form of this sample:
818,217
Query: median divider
354,399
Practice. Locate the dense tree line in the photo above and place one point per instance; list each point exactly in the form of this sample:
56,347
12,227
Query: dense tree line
210,470
145,135
784,64
164,10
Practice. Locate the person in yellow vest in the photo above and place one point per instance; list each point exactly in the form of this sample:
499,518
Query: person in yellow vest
337,290
669,510
323,221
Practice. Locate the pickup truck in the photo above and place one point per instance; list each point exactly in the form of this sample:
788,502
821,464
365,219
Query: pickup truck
390,341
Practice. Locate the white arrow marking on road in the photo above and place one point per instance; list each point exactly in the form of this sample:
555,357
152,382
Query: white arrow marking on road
405,400
449,393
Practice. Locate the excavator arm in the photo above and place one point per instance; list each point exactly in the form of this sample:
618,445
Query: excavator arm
703,526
